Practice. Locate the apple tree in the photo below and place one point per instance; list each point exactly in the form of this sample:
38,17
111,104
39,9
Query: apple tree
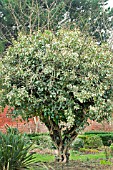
63,77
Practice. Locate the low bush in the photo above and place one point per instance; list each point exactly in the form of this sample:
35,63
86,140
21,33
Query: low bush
111,149
14,148
77,144
93,142
42,141
83,137
106,137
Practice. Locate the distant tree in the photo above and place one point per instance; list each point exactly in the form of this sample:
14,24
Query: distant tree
29,16
32,15
63,77
92,16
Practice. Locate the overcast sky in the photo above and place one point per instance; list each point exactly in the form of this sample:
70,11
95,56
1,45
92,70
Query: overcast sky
110,3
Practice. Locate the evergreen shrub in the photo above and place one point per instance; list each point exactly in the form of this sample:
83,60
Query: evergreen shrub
77,144
106,137
93,142
42,140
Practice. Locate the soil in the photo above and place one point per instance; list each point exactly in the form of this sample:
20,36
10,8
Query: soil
75,165
79,165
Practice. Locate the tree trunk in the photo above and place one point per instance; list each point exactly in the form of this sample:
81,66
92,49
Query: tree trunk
62,138
63,154
36,121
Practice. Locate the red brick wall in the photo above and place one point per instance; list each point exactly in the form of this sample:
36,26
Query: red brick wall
104,126
23,126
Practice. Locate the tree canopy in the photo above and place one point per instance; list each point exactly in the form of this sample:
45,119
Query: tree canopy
62,77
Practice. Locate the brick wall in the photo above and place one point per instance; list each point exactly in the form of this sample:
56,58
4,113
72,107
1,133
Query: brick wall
104,126
23,126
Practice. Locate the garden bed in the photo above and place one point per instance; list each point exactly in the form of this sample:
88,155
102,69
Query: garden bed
76,165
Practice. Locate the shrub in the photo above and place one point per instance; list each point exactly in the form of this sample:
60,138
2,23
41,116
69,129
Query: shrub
77,144
106,137
93,142
83,137
111,149
14,150
43,141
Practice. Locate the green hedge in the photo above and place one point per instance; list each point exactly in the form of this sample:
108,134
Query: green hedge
107,137
31,135
93,142
97,132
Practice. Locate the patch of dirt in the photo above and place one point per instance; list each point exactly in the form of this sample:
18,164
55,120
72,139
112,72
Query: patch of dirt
76,165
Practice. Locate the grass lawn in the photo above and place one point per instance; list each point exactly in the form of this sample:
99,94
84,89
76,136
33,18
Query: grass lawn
73,156
43,158
78,161
85,157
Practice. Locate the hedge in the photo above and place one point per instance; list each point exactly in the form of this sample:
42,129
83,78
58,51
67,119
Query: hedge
97,132
32,135
107,137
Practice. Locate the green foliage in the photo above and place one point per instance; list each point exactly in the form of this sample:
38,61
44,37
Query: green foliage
111,149
43,142
77,144
107,152
106,137
2,46
0,79
63,77
105,162
83,137
29,16
14,150
58,75
89,15
93,142
97,133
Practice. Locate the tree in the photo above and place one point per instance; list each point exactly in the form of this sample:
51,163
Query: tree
28,16
63,77
31,15
92,16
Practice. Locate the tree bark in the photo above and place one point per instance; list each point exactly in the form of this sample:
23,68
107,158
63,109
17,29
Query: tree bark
63,154
63,143
62,139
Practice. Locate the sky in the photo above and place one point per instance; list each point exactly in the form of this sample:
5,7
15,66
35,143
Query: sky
110,3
